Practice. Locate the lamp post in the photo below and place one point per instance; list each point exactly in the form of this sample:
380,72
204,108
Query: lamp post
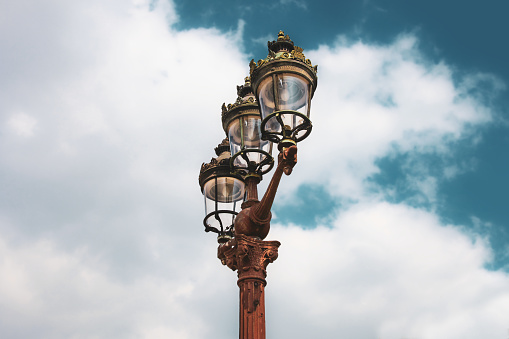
273,106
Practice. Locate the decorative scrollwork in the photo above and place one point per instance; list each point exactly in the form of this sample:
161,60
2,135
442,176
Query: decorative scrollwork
249,256
252,66
282,49
206,166
239,102
282,56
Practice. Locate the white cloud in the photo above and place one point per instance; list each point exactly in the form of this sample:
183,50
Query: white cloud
22,124
47,293
100,213
374,101
386,271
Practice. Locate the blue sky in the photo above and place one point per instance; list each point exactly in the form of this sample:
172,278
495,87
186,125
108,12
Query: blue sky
466,35
463,34
394,222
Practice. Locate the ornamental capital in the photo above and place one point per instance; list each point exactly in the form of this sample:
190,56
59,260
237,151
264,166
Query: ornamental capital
249,256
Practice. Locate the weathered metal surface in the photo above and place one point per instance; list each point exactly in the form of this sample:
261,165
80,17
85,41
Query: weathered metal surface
254,219
250,257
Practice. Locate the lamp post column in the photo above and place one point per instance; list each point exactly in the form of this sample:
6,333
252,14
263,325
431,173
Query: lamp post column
273,106
250,257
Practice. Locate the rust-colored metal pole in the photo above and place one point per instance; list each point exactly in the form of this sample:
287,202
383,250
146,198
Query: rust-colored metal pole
252,309
249,255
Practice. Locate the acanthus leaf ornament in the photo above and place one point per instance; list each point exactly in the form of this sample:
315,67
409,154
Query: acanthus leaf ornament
249,256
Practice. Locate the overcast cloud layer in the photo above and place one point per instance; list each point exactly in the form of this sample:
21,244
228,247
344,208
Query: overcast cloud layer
107,114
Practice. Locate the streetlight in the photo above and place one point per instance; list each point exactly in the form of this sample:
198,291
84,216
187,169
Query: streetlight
284,84
223,191
242,125
273,106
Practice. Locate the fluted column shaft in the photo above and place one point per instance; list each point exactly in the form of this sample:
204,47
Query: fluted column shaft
252,309
250,257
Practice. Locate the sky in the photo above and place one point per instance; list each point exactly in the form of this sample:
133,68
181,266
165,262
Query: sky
394,223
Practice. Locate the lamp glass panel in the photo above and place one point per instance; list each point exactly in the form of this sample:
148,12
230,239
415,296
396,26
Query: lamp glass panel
222,194
292,93
245,133
266,97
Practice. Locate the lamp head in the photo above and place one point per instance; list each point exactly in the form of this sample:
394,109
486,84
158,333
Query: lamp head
223,191
241,123
284,84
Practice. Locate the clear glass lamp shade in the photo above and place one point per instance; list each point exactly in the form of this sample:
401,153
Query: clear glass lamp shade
284,102
223,199
248,149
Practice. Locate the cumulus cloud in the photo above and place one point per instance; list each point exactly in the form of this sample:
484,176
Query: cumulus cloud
22,125
389,104
106,111
375,101
99,169
386,271
48,293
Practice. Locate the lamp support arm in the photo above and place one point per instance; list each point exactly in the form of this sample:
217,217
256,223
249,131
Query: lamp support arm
286,161
254,219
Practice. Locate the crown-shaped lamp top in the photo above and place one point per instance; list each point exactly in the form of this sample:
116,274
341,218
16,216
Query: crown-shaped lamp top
245,102
282,49
246,89
223,147
282,44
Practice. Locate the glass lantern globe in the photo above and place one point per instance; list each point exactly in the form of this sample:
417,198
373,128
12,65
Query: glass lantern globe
242,125
284,84
223,191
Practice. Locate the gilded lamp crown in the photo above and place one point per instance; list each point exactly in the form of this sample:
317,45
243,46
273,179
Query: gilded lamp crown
282,44
282,49
245,102
220,165
223,147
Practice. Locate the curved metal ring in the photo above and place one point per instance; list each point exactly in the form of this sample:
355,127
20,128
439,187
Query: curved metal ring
278,136
223,229
268,160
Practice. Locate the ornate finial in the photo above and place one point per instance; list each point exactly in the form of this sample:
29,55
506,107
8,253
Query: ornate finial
224,146
281,49
282,37
245,102
282,44
245,90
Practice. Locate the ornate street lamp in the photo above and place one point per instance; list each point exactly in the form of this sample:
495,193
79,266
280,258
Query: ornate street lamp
223,191
284,84
241,123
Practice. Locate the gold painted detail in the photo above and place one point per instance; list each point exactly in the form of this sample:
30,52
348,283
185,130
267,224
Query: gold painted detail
282,37
295,54
205,166
221,160
239,102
